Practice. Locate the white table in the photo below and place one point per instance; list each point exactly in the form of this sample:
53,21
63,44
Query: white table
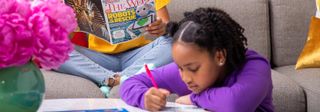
92,104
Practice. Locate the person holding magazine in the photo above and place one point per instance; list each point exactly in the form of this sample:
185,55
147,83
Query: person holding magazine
107,64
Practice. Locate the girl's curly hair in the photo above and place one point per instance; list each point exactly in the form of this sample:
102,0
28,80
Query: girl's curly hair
213,30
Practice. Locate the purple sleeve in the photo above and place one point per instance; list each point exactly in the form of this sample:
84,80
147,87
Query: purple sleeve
250,88
167,77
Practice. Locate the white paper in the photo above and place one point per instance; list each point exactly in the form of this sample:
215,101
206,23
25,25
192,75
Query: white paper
93,104
174,107
85,104
318,14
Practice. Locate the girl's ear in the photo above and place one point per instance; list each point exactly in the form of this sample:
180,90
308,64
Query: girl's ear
221,57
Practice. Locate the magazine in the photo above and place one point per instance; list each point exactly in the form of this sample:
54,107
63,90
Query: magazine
115,21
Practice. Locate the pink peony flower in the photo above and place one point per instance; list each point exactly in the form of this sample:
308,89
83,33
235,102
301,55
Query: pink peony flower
15,37
35,31
52,22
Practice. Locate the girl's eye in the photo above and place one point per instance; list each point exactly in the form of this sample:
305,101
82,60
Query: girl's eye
194,70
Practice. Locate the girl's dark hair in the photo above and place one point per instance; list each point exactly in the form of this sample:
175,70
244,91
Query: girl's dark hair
213,30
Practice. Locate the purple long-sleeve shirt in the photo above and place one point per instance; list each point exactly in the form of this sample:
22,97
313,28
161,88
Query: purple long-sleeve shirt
246,90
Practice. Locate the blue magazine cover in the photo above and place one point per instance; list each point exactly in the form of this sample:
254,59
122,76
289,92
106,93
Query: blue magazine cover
114,21
127,18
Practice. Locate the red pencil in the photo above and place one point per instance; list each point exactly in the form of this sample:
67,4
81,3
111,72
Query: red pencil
150,76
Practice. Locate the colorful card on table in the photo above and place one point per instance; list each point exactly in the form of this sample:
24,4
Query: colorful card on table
98,110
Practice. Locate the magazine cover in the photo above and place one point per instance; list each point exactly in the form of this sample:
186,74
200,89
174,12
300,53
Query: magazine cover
115,21
90,17
126,18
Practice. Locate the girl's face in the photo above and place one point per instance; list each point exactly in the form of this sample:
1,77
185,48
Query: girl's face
198,69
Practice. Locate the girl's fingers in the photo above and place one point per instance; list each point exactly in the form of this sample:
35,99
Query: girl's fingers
184,100
155,103
158,94
155,107
155,99
179,101
159,101
164,91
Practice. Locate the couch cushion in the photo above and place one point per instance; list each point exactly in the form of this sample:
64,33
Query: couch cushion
251,14
67,86
309,79
288,96
289,27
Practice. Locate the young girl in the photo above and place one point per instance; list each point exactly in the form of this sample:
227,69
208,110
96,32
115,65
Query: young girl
213,69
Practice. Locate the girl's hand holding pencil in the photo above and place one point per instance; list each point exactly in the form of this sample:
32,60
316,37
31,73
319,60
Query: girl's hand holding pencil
155,99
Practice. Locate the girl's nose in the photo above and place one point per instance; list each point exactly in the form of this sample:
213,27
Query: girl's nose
186,78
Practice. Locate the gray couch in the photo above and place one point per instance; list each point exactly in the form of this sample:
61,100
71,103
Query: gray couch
277,29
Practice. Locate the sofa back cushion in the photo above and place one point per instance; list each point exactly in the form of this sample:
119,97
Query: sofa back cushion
289,28
253,15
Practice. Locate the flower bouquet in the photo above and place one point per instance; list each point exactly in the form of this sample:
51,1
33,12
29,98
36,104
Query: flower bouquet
33,35
35,30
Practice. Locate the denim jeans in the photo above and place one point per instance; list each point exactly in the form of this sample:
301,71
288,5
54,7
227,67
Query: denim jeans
98,67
